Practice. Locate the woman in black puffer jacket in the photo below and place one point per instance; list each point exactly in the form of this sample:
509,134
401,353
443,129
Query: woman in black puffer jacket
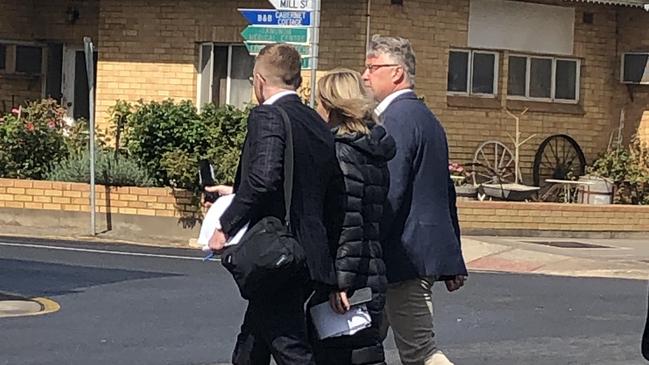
363,149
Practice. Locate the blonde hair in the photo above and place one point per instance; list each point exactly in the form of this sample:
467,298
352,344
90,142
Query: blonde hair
342,94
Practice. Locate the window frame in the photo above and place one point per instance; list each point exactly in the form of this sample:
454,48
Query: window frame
469,84
11,57
623,64
200,98
553,79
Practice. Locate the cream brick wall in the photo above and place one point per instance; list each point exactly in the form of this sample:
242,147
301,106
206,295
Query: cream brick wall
149,50
634,34
75,197
474,215
43,20
497,216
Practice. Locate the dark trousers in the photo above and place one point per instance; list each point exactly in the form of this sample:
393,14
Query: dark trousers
363,348
275,325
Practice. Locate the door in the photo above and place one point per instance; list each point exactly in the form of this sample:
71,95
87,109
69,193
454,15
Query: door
74,83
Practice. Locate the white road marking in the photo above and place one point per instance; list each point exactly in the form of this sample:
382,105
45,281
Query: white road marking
108,252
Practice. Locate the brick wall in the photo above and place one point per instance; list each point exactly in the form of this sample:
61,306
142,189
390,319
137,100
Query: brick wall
156,45
537,217
75,197
149,49
634,36
45,21
475,217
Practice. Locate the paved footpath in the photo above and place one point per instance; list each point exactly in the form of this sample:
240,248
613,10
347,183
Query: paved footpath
607,258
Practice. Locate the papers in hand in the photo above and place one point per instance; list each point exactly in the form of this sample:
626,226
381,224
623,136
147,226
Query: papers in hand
331,324
212,222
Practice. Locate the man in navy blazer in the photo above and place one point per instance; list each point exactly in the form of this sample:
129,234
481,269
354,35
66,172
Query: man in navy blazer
420,234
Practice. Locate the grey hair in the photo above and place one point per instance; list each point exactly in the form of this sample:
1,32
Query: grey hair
398,49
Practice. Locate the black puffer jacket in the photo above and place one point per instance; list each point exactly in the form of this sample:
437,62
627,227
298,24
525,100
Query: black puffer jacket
357,251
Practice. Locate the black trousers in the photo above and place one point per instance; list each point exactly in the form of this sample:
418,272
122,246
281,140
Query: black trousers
275,325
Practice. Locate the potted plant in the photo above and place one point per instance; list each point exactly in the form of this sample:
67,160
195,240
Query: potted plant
460,177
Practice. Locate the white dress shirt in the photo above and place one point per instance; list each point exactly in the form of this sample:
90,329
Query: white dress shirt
277,96
388,100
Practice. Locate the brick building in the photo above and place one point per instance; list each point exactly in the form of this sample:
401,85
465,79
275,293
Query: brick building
561,59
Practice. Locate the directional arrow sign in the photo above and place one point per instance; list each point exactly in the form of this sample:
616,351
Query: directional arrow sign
275,34
254,48
276,17
292,4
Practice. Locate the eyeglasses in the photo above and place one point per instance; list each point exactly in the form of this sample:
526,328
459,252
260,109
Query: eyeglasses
373,68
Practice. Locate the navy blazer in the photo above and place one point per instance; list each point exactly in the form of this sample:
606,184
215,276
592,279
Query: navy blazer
420,230
317,180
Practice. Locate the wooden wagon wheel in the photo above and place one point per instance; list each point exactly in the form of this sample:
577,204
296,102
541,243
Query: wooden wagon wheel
493,163
558,157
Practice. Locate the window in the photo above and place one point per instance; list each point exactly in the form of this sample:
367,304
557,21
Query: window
224,73
543,78
29,59
472,73
3,56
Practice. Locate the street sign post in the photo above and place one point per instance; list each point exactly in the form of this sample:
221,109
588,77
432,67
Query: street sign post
88,49
296,22
277,17
261,34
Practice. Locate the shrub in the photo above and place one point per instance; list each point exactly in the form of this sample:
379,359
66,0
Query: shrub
32,139
226,129
169,139
79,136
109,170
156,129
628,167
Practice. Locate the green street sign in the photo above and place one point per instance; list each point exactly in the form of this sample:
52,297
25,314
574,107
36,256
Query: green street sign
306,63
275,34
254,48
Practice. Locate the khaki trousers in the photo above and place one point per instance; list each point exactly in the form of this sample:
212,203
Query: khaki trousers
409,311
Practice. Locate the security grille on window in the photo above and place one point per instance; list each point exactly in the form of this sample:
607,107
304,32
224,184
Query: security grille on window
224,75
472,73
543,78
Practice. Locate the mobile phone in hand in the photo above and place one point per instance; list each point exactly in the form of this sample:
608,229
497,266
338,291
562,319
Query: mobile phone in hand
206,178
360,296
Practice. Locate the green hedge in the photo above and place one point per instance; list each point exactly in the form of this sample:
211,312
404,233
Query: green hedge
155,143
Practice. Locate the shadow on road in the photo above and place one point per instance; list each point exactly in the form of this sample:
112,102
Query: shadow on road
33,278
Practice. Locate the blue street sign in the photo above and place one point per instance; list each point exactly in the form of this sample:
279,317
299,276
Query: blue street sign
276,17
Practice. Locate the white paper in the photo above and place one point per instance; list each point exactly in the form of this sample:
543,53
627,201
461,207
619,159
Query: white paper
212,222
331,324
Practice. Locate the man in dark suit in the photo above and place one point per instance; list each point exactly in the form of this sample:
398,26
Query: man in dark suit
276,325
420,234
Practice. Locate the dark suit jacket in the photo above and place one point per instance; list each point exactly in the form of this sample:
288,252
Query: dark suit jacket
259,189
421,234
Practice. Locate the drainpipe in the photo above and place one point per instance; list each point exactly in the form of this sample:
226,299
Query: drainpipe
367,30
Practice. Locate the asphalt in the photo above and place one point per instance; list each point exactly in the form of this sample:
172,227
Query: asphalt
125,304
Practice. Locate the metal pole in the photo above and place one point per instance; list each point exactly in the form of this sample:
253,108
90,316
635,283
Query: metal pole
88,50
315,42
